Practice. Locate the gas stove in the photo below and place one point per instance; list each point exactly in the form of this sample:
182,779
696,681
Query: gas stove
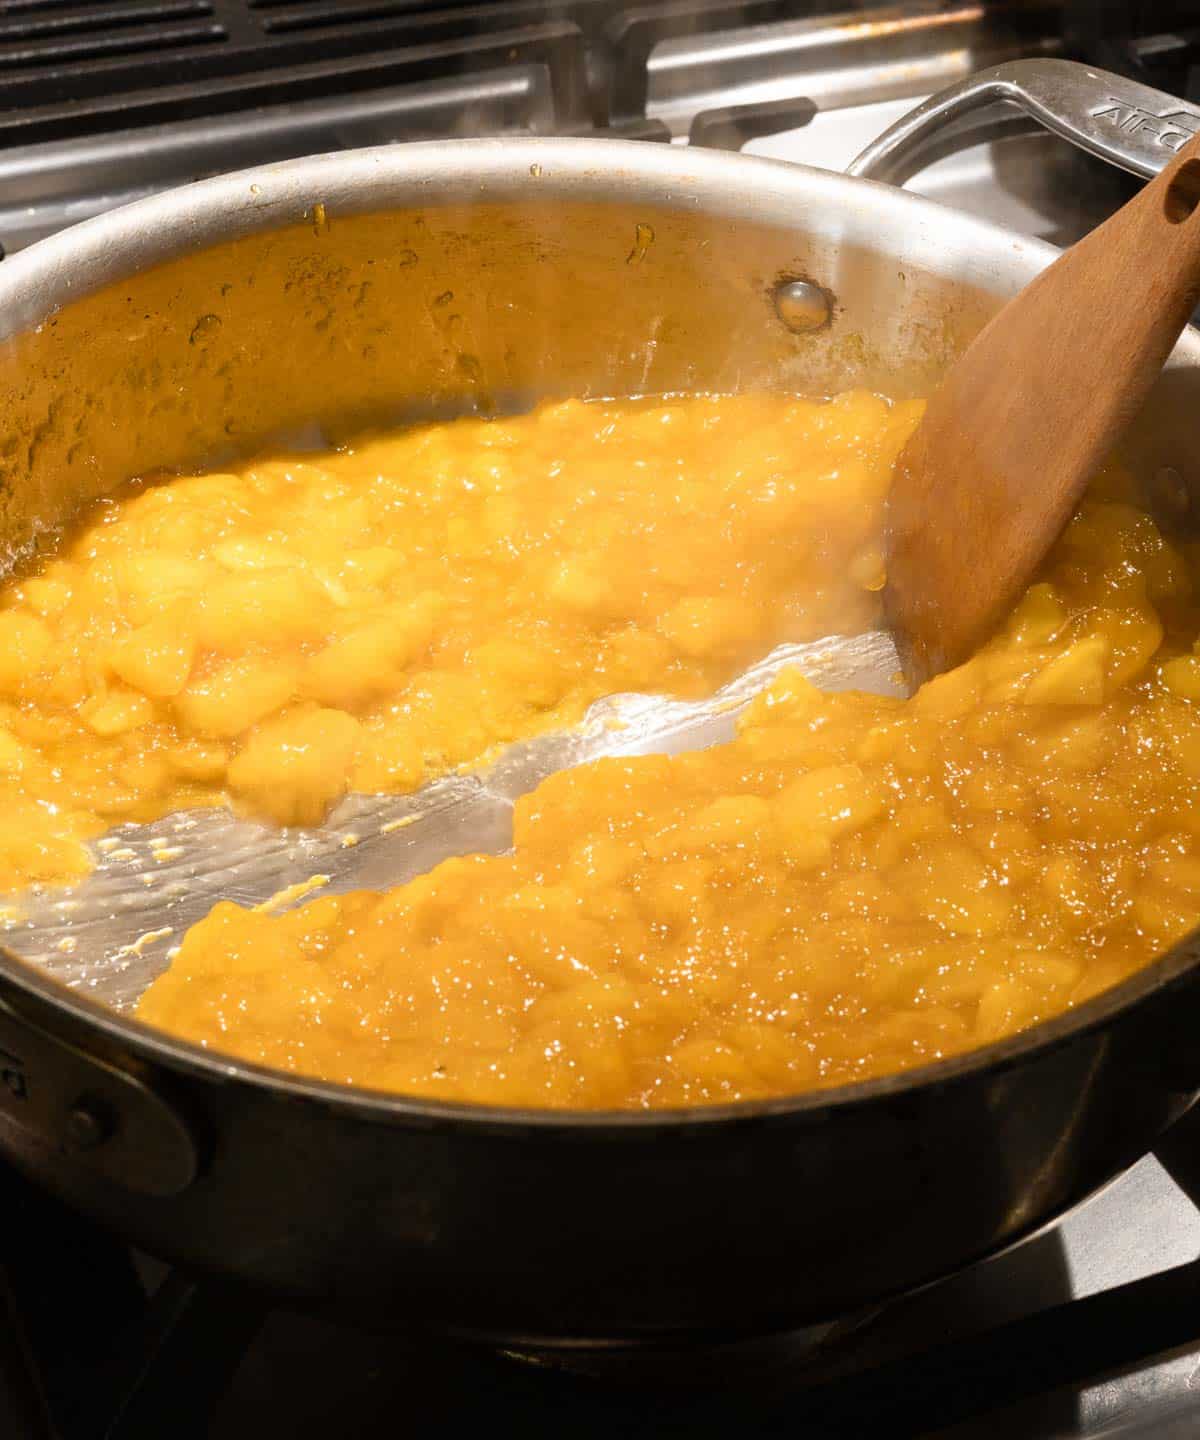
1090,1329
103,101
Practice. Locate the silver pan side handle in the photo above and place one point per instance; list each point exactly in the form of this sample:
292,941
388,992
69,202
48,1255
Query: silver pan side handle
1128,124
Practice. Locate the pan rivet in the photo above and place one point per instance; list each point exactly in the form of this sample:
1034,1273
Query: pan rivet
87,1126
801,305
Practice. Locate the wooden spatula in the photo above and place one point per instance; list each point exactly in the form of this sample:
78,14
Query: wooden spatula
1010,440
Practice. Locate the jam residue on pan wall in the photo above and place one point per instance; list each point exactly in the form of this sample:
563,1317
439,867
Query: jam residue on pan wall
854,885
371,619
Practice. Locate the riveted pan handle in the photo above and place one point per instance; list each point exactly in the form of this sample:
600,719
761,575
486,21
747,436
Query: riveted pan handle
105,1118
1128,124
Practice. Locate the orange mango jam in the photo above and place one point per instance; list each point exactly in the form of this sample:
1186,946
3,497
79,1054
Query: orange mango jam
371,619
854,885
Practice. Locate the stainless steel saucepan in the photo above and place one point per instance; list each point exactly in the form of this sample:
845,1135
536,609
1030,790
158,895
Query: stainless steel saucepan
351,289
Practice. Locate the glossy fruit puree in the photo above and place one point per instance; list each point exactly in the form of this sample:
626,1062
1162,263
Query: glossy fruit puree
854,885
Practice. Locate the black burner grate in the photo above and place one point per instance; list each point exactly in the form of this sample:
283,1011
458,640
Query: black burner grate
75,69
1155,41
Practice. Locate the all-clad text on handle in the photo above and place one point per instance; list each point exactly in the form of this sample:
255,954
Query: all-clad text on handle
1126,123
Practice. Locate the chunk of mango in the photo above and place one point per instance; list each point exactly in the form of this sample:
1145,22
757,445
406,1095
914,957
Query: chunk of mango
294,768
1074,677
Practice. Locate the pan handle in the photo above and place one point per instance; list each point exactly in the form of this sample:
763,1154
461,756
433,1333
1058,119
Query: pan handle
1128,124
105,1118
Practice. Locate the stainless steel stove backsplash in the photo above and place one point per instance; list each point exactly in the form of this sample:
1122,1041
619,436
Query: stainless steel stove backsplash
96,113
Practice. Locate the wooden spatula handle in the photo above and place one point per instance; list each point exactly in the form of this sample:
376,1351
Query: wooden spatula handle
1029,412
